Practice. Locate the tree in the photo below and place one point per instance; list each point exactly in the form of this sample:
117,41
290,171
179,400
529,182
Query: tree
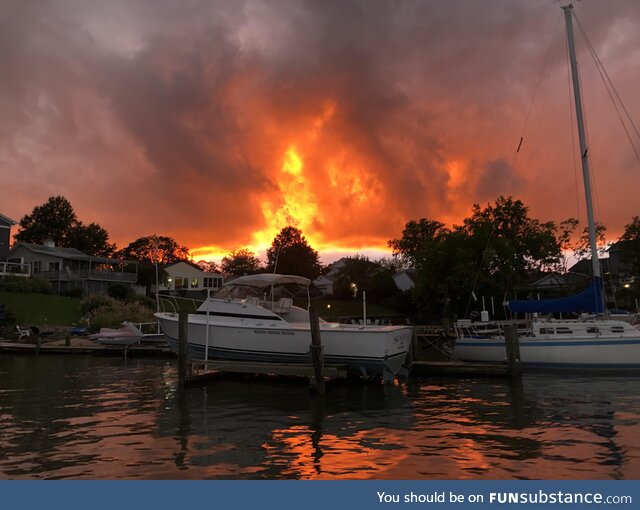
239,263
290,253
92,239
56,221
207,266
630,246
356,274
161,249
495,249
417,237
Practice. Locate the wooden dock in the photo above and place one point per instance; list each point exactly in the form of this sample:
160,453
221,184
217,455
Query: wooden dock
459,368
200,370
85,348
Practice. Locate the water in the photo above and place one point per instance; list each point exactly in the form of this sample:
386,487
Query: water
75,417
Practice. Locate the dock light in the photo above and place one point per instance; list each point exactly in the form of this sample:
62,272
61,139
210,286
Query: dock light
329,310
627,286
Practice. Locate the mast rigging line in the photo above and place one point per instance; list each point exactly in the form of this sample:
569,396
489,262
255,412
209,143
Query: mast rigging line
611,91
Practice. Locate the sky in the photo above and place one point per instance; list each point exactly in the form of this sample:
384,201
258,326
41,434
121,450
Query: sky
220,122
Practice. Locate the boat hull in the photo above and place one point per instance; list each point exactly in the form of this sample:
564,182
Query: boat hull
596,353
365,350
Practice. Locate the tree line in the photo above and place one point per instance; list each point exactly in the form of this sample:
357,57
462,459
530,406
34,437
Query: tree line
495,251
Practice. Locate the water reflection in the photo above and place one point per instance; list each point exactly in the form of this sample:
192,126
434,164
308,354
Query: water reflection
83,417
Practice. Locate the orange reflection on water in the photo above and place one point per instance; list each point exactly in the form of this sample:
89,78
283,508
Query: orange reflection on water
316,455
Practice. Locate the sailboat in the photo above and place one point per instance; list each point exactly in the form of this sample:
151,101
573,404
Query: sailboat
593,342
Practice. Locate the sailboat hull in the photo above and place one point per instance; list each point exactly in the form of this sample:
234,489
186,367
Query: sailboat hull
621,351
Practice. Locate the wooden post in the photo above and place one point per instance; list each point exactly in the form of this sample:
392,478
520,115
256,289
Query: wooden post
67,340
183,347
512,344
38,343
317,353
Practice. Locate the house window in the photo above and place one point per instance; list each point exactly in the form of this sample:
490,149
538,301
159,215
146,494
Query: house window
181,283
35,266
211,282
194,283
54,266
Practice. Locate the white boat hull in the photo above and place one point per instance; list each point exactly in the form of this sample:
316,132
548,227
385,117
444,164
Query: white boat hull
365,350
585,352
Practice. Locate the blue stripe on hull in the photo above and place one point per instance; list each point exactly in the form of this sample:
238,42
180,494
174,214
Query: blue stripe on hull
547,343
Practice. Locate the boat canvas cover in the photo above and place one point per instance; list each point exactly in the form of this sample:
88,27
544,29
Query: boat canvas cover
590,300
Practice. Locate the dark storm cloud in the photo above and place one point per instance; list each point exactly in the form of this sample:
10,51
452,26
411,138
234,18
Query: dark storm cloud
173,116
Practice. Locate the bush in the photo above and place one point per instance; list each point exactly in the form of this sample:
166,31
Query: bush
32,284
74,293
120,291
90,304
145,301
116,312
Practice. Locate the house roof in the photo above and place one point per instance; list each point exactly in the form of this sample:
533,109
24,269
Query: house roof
6,221
193,265
64,253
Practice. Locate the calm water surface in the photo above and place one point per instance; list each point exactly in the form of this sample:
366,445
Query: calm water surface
102,418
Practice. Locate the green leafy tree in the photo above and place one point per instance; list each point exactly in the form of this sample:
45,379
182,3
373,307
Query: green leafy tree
417,239
356,273
239,263
630,247
53,220
56,221
495,249
151,249
92,239
208,266
290,253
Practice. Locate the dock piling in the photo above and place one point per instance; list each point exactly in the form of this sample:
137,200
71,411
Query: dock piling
512,344
317,353
183,347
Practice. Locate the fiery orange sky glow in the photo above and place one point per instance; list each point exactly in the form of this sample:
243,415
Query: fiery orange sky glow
222,123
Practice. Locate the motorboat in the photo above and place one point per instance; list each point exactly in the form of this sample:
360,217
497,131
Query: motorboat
254,318
126,334
594,340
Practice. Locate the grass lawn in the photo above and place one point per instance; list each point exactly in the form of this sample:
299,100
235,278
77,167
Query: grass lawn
41,309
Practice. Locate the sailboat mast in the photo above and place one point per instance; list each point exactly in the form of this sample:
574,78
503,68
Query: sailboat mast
568,17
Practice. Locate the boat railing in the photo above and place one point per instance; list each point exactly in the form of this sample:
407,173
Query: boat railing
466,327
173,304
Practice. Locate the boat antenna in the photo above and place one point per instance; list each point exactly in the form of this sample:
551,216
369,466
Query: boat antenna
568,16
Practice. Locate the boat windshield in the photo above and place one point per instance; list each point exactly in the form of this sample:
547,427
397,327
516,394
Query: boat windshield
264,293
238,292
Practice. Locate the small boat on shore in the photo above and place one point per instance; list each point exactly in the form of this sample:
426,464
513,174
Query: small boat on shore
127,334
253,318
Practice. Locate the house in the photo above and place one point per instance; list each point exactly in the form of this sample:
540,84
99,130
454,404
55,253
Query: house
324,284
187,278
9,267
405,280
68,269
5,236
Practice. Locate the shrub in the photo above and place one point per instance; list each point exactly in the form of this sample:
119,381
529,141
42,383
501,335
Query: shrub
116,312
144,301
120,291
91,303
32,284
74,293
